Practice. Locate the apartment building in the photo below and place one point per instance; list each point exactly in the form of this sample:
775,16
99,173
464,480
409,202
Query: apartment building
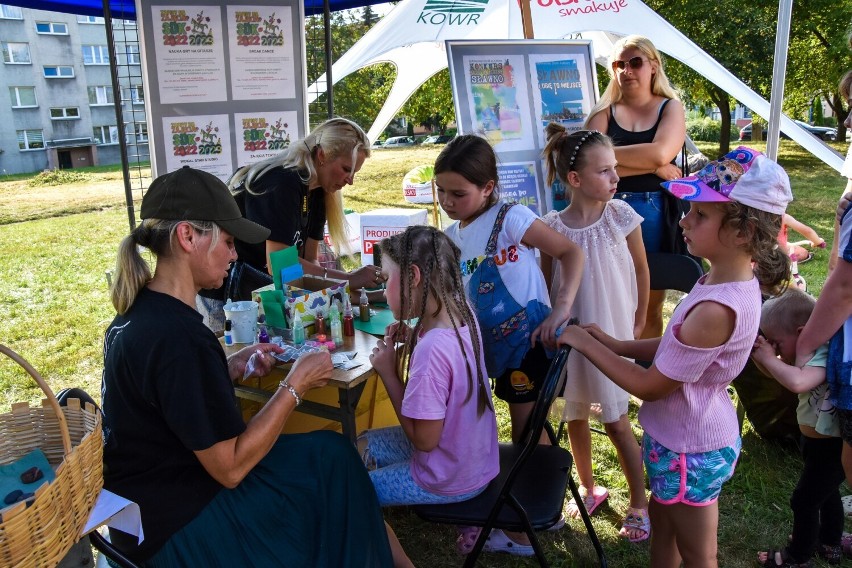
60,110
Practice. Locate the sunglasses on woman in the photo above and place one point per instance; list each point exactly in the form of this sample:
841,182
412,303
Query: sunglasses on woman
634,63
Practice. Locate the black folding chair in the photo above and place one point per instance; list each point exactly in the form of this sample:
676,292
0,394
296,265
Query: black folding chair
529,492
114,556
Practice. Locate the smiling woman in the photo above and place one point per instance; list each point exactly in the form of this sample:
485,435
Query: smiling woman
295,193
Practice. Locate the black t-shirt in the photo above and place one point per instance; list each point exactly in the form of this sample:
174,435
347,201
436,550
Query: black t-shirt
281,202
166,392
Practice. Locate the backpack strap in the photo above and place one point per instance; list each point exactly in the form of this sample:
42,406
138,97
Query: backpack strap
491,247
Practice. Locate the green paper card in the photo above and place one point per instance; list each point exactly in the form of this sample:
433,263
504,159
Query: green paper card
273,307
282,259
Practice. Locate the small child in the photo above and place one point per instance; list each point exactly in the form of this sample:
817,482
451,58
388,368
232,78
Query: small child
796,249
613,293
445,449
692,440
817,509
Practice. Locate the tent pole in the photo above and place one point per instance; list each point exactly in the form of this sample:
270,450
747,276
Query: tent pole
526,20
779,71
329,82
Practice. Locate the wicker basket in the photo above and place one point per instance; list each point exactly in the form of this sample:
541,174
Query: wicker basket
70,436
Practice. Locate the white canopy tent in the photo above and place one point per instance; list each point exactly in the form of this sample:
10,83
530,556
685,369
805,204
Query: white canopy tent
411,37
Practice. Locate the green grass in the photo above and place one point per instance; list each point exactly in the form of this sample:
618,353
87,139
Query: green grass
56,244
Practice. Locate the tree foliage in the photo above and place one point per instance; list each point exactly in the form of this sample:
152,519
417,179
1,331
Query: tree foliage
432,104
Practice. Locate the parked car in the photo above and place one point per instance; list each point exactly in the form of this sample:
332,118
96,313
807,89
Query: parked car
377,144
438,139
821,132
398,142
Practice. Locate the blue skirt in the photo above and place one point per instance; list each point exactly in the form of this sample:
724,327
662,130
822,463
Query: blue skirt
309,502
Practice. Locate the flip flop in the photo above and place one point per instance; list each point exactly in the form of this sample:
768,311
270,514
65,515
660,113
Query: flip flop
591,501
636,519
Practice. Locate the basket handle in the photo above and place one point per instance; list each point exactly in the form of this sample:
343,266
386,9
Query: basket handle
51,398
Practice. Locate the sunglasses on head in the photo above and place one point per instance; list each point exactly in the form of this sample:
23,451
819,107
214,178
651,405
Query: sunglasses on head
633,63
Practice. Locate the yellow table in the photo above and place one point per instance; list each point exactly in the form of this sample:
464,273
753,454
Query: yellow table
337,402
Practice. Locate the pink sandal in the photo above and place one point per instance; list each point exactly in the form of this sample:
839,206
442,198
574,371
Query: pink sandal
466,539
592,500
636,519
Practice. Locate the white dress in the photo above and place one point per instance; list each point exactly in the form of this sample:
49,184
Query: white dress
607,296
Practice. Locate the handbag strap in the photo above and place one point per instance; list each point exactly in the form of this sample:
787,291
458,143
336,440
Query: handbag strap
491,248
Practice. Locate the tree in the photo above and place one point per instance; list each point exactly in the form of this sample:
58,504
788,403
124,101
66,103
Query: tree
432,104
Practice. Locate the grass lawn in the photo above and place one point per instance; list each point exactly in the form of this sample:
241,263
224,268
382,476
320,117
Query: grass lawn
57,242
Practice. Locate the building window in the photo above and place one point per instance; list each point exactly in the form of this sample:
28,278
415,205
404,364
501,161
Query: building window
31,139
132,52
140,130
89,20
11,12
16,53
95,55
58,71
105,134
23,97
52,28
135,95
64,113
101,95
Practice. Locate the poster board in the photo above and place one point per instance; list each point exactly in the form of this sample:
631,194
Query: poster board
224,84
508,91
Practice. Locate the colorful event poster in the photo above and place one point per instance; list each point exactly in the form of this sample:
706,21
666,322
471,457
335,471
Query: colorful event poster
261,135
560,91
498,100
188,45
519,183
201,142
261,52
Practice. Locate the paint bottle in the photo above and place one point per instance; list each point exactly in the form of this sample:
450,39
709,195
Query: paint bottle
348,320
229,339
319,322
364,306
336,326
263,335
298,332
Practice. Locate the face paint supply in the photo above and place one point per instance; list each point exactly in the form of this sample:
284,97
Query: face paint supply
229,339
364,306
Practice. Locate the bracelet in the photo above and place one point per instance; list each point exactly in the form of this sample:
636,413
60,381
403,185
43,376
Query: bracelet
286,385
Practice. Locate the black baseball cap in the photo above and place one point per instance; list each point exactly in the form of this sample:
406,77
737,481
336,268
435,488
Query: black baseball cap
196,195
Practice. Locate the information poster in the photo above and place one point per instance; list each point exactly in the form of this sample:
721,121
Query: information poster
261,52
508,91
201,142
261,135
190,54
560,95
518,183
498,100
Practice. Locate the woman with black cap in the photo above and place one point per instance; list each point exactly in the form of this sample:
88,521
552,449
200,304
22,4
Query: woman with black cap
212,490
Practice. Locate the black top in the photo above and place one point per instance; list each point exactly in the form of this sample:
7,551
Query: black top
282,203
166,392
622,137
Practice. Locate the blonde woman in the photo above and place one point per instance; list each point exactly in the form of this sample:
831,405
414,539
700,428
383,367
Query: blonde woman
295,193
642,114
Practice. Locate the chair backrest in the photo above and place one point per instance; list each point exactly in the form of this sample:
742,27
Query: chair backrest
673,271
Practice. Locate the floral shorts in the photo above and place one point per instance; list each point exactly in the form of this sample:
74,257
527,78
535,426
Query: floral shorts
691,479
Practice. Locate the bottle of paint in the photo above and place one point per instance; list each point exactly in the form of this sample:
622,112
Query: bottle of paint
229,339
364,306
298,332
336,326
348,320
263,335
319,322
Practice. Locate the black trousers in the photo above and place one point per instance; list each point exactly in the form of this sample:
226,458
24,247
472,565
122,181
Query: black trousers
817,509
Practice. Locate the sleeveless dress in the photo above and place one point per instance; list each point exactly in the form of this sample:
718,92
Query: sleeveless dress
607,296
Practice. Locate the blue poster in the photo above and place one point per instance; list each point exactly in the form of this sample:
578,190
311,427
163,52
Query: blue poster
518,183
561,91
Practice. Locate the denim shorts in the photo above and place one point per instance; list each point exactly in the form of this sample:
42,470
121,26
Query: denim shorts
691,479
650,206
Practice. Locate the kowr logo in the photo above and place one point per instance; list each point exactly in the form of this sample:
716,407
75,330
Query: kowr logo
454,13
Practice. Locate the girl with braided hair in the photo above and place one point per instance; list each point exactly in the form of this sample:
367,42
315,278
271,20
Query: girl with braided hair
613,292
445,449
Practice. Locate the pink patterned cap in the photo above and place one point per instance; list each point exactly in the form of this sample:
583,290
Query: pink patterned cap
743,175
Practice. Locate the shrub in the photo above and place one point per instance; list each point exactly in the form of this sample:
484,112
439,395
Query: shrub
58,177
706,129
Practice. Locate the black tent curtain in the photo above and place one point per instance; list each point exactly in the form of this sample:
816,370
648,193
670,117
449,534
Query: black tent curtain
126,10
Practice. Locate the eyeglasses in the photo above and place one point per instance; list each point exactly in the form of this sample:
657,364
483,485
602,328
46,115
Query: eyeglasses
634,63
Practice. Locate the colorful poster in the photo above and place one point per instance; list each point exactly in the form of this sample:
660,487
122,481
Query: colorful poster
560,92
261,52
261,135
498,100
201,142
519,183
188,45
